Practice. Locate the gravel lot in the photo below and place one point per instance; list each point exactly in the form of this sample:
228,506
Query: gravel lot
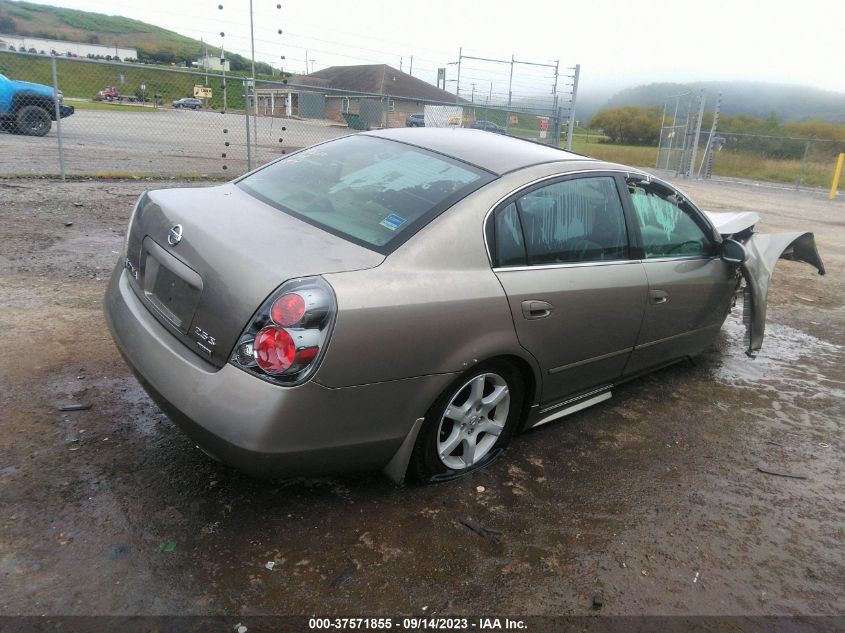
651,500
165,142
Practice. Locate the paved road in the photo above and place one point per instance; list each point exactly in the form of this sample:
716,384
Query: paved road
166,142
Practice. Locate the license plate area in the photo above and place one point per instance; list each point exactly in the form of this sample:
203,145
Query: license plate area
171,287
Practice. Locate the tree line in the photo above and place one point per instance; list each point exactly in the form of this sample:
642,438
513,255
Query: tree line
640,125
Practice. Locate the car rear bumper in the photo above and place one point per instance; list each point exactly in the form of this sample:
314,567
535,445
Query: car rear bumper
258,427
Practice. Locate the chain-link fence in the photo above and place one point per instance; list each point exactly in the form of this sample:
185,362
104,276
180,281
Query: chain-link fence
126,119
800,161
689,148
673,144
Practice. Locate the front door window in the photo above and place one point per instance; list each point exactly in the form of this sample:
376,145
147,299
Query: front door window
669,226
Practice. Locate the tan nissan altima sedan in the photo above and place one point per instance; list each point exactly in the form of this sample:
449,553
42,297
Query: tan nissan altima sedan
409,300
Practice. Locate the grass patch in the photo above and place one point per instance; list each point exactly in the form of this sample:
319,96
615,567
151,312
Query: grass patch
635,155
756,167
817,173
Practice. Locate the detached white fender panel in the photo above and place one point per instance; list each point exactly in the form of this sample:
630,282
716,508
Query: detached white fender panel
763,253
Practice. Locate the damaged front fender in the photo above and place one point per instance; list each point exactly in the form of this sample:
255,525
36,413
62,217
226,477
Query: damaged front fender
763,252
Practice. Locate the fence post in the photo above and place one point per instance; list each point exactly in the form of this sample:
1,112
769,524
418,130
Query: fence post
246,113
510,98
58,111
660,137
800,180
558,123
696,138
571,126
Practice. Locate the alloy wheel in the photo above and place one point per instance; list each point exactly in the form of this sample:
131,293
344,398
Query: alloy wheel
472,421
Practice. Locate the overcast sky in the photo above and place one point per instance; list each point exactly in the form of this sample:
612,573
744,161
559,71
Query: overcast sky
617,43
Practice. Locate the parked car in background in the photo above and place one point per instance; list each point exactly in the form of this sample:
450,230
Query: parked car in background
29,108
187,102
488,126
416,119
411,300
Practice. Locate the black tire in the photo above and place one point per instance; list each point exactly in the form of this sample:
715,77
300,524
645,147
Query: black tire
33,120
426,462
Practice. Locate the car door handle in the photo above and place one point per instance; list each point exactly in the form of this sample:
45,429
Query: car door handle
658,296
535,309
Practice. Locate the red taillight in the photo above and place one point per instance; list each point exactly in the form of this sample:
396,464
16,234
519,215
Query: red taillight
306,355
288,310
274,350
287,337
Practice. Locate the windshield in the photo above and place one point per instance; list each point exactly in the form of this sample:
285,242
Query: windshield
371,191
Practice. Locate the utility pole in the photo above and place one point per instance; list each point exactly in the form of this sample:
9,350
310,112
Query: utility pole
472,98
204,60
458,85
411,71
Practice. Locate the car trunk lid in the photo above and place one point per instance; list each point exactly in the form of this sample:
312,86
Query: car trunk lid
204,259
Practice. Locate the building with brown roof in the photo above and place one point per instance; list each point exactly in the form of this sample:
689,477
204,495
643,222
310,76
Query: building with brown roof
378,94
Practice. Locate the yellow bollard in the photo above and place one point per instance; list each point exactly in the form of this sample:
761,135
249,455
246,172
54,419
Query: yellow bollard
836,174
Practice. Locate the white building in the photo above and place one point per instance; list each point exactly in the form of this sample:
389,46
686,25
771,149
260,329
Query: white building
21,42
212,62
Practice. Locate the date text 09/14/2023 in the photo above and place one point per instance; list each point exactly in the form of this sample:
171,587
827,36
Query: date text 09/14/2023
417,624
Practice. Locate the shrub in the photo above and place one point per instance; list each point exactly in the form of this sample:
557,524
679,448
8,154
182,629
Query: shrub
631,125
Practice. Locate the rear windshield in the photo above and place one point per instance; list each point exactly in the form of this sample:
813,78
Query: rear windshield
371,191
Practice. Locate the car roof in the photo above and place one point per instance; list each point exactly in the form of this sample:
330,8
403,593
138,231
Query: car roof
494,152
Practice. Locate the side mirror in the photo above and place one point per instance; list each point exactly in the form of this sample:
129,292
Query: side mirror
733,252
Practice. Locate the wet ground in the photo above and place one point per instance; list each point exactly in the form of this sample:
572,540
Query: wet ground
652,501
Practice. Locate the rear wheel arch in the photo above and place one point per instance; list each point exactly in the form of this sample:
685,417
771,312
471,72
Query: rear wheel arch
424,466
530,383
528,378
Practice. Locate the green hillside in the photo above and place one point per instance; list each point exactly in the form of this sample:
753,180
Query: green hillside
82,80
154,44
758,99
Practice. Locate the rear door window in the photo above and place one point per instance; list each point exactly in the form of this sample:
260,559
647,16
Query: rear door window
576,220
510,246
371,191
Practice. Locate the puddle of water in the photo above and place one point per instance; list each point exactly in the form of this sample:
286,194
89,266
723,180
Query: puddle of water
790,362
